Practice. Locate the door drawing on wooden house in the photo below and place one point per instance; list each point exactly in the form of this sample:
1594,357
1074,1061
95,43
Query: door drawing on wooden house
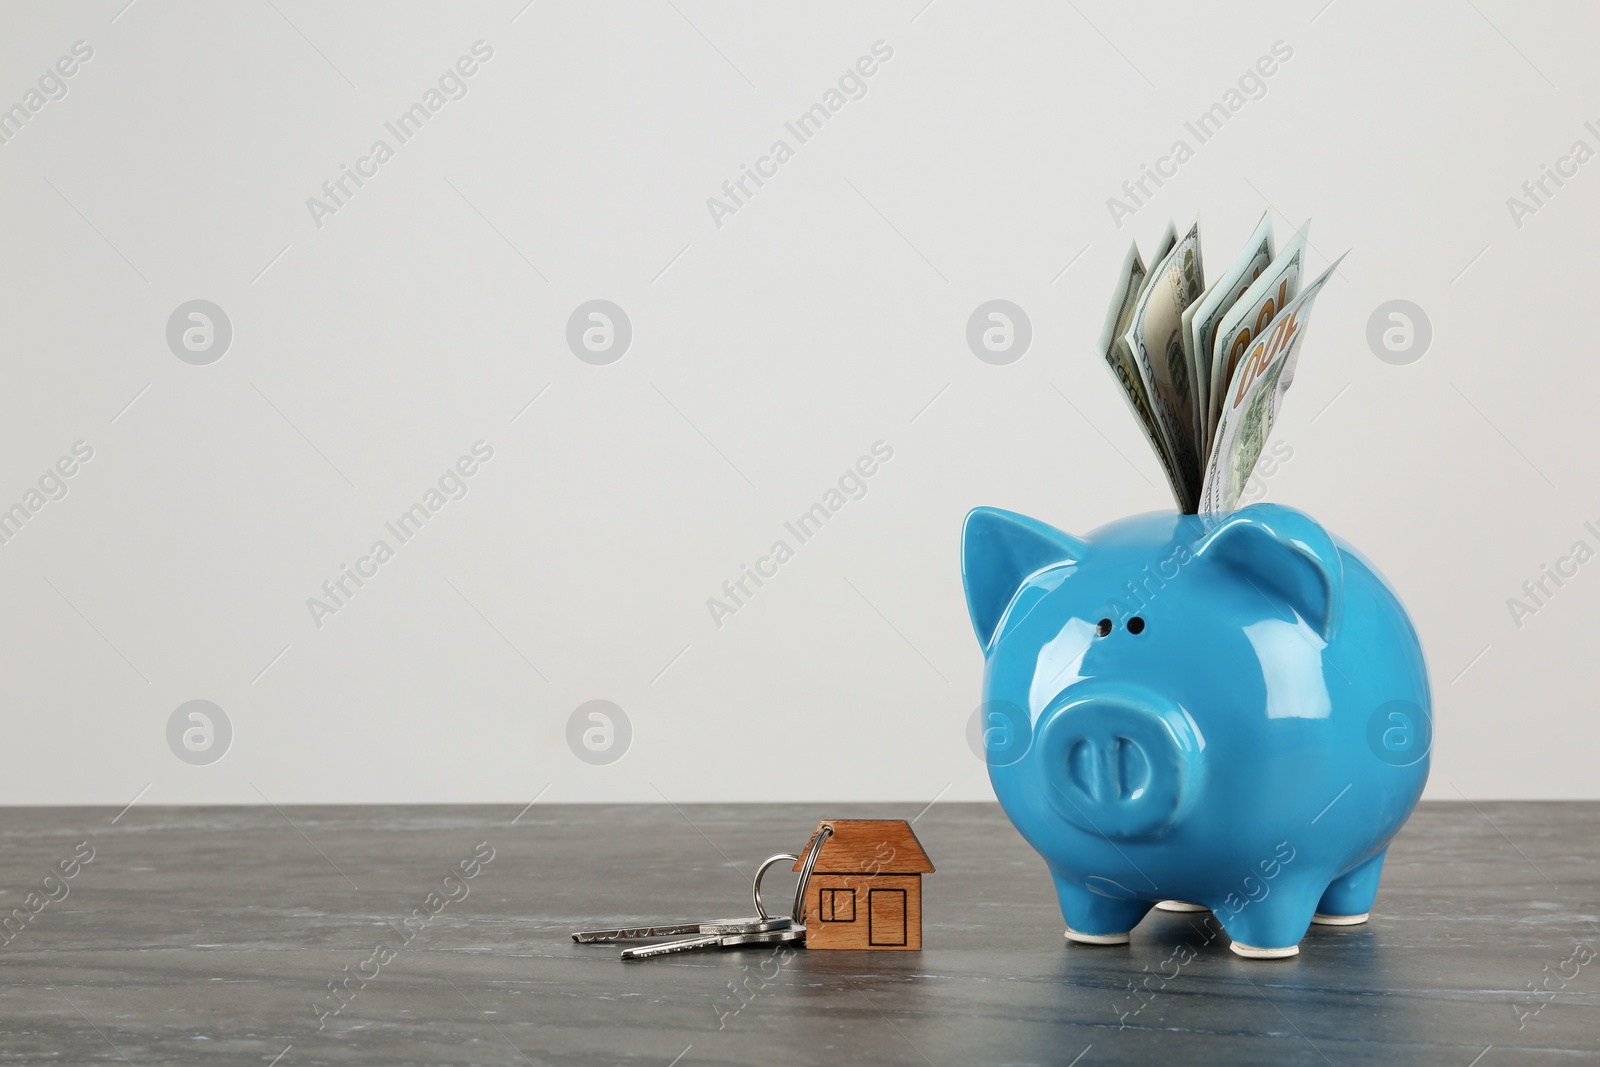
886,917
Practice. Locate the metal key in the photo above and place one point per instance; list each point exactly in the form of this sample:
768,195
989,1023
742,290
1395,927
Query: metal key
714,928
767,937
758,929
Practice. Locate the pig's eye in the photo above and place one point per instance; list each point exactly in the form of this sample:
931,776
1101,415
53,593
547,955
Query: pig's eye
1136,625
1103,627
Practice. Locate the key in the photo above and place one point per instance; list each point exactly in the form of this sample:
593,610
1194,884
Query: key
713,928
758,937
759,929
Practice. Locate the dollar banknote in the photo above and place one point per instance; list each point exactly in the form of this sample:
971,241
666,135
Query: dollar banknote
1155,338
1201,319
1250,314
1250,401
1130,282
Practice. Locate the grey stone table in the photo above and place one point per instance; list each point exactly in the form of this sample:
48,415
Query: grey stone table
212,936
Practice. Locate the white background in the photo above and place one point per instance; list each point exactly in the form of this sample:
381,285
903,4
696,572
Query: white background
767,355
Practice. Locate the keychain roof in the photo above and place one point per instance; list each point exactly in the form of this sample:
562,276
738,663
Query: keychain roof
883,846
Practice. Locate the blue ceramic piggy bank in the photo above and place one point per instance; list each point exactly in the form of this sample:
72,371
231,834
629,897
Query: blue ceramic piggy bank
1227,710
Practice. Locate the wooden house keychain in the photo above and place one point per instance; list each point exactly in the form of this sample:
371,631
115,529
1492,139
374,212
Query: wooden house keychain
865,890
860,887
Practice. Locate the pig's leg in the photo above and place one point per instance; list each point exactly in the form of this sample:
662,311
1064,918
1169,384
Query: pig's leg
1349,898
1270,925
1093,919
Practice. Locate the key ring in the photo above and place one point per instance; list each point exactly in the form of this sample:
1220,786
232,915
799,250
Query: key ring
755,886
799,911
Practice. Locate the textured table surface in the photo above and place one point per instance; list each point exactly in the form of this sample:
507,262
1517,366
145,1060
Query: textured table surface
211,936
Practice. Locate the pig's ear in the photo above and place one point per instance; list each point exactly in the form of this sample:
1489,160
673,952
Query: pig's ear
1285,554
999,550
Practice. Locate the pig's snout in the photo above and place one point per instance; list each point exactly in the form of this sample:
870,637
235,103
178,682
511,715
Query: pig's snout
1120,762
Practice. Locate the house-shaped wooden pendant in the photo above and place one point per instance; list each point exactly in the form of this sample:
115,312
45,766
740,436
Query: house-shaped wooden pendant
866,889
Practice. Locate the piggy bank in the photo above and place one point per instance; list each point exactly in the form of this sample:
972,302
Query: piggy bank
1230,711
